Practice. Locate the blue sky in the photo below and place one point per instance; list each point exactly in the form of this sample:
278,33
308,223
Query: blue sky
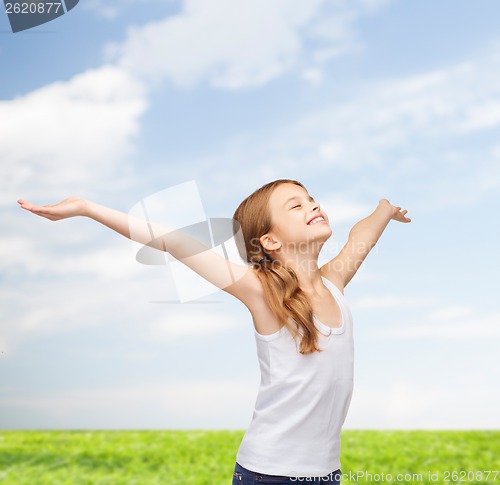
359,100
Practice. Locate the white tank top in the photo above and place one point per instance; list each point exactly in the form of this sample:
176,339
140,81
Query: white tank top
302,401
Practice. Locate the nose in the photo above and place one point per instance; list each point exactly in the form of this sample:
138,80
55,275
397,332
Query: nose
315,206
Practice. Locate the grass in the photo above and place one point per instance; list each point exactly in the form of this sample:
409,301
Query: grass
207,457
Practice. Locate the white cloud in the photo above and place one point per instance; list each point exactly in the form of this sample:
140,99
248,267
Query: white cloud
396,134
341,210
111,9
4,348
392,301
471,403
102,9
184,321
83,127
466,325
63,134
313,76
227,403
173,404
433,109
238,45
100,287
58,138
452,312
37,258
391,114
74,296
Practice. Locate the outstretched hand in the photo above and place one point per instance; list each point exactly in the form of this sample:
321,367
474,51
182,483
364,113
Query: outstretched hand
397,213
74,206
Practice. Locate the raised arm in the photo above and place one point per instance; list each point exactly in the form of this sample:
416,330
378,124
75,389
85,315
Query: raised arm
236,279
362,238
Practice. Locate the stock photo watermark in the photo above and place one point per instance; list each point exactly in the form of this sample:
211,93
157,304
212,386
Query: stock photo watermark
158,224
441,476
158,227
25,15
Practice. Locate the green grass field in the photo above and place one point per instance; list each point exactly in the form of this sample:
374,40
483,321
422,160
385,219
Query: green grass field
207,457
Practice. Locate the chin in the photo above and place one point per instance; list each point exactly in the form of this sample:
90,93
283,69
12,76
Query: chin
326,228
328,232
325,234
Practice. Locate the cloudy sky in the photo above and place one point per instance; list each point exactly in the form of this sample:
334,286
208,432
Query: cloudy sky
201,102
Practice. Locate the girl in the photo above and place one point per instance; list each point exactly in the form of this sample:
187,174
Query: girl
303,325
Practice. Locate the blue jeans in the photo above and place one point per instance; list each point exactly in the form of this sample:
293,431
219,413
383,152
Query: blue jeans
242,476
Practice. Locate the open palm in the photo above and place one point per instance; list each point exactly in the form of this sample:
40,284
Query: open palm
400,216
74,206
397,214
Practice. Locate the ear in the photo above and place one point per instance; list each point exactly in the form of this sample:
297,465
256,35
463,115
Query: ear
269,243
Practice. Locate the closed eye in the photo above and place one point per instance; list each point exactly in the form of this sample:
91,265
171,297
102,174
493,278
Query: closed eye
294,207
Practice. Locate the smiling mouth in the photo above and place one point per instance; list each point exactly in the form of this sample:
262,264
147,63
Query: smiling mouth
316,220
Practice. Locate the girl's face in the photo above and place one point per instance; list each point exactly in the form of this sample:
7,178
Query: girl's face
296,218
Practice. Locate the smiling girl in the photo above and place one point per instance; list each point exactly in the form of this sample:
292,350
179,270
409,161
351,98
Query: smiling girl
303,324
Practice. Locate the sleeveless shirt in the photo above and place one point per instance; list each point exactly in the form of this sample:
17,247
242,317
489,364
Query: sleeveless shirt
302,400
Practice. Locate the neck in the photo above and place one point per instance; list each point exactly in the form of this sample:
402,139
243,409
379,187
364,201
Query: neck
306,268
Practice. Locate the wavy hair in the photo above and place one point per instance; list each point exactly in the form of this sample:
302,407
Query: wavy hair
281,285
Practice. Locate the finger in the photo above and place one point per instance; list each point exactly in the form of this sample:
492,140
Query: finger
28,206
35,208
25,204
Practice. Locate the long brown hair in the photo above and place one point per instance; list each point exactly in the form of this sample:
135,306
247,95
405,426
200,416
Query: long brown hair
281,285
